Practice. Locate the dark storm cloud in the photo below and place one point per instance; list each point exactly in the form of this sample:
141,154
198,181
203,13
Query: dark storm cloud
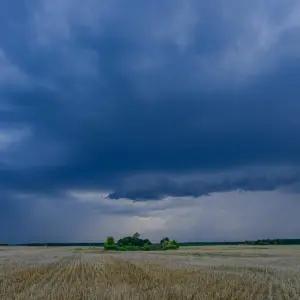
110,90
154,186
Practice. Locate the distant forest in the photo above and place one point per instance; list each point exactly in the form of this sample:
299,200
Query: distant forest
274,242
256,242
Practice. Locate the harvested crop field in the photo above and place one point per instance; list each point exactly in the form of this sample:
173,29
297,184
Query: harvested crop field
235,272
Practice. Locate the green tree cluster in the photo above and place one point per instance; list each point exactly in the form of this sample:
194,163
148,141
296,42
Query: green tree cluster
135,243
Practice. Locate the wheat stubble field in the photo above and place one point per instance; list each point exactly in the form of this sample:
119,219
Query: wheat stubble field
190,273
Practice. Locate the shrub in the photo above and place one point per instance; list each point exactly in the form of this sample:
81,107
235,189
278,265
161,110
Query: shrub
132,248
154,247
170,247
173,242
146,247
166,243
119,248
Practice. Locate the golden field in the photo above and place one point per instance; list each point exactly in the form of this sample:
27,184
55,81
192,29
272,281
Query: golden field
233,272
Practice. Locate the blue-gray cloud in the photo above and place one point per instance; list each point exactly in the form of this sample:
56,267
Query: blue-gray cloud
94,94
159,186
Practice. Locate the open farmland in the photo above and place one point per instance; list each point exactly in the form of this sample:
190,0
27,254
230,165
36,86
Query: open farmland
236,272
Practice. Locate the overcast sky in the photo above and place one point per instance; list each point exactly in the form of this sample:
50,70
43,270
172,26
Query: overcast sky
189,107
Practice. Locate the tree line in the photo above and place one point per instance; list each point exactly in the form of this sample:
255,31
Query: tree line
274,242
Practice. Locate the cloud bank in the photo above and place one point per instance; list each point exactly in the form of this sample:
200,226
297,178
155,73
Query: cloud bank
146,101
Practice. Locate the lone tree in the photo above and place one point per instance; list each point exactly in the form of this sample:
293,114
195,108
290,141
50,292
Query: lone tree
110,243
136,235
110,240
